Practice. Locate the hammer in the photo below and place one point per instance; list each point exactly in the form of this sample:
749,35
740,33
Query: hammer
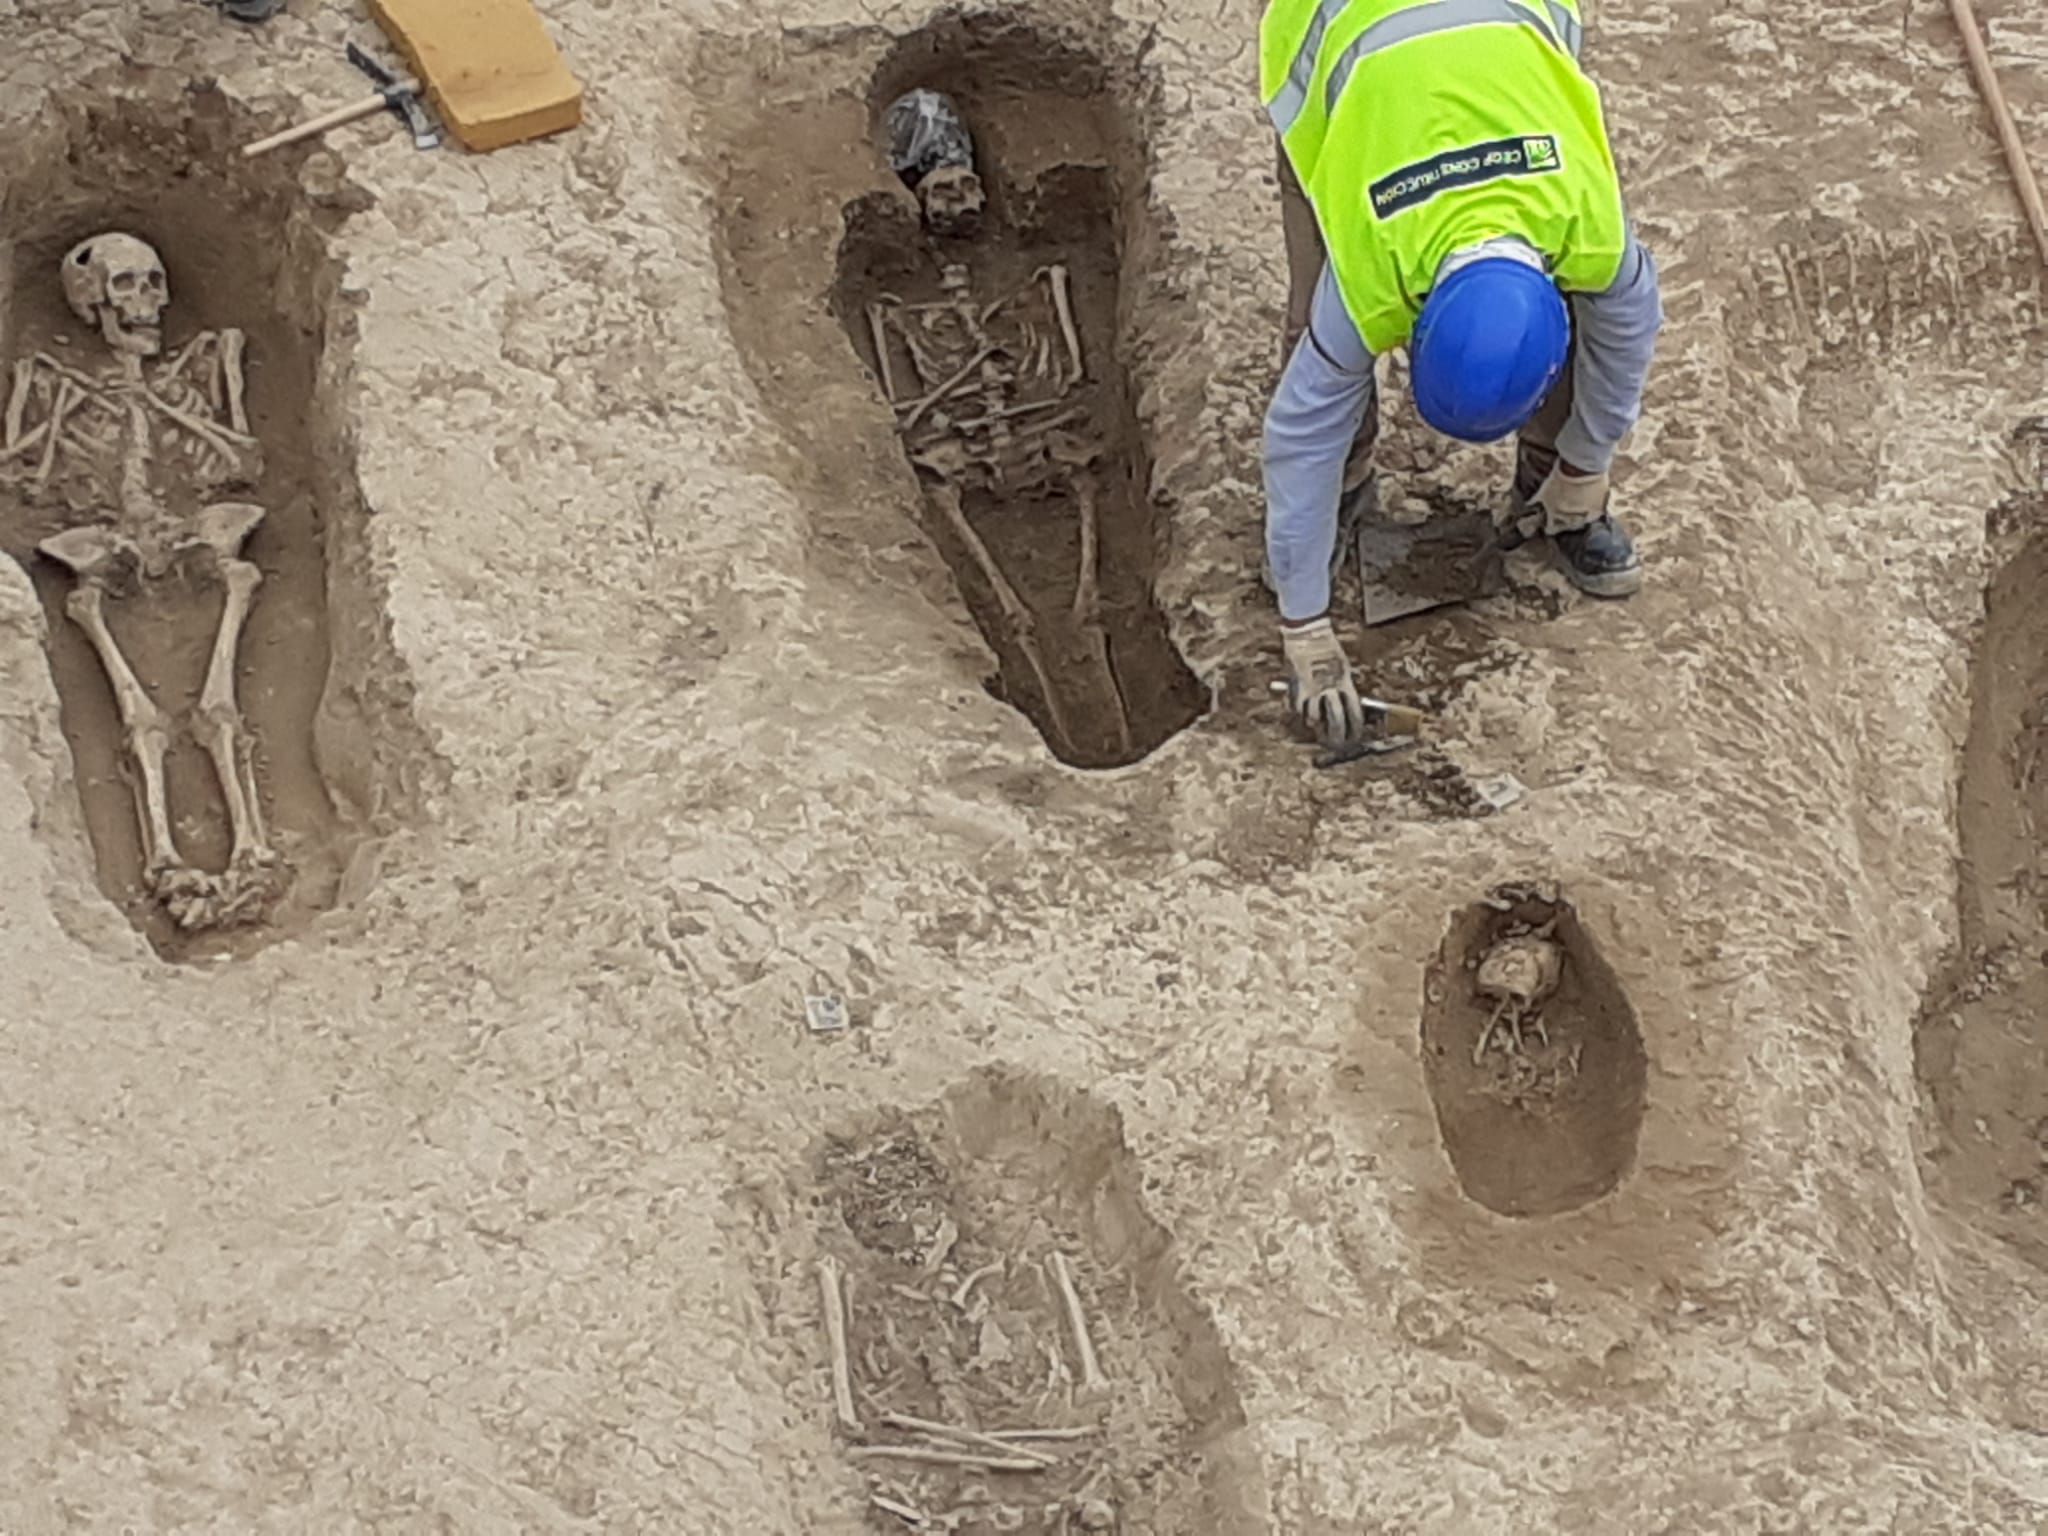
400,93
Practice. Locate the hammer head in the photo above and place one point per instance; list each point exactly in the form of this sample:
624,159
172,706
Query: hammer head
426,133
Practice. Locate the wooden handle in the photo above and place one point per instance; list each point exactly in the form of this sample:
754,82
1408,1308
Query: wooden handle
2001,118
1403,721
327,120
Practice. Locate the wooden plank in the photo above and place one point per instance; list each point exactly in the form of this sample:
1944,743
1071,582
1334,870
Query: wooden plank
488,67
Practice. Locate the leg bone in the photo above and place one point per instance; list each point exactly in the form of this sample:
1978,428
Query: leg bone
224,734
835,1336
1087,609
1087,595
1093,1382
880,335
144,726
1016,615
182,359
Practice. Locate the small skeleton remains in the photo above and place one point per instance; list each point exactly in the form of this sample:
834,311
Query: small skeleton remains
934,1350
136,446
1518,975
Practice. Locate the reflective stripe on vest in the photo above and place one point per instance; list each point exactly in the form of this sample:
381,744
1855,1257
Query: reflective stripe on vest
1561,31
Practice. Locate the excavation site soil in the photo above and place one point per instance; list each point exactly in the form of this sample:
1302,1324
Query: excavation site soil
655,882
996,351
241,261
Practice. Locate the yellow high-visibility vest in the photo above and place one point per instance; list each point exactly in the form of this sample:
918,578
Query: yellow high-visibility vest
1419,129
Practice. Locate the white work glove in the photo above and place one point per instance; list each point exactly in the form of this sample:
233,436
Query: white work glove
1319,686
1564,503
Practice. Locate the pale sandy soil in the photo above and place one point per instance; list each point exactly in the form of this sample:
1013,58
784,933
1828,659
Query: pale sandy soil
618,701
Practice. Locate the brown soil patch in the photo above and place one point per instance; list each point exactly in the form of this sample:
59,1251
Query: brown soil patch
947,1220
1043,511
242,250
1551,1125
1979,1047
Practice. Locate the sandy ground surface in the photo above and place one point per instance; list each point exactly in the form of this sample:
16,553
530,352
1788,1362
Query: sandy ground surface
489,1196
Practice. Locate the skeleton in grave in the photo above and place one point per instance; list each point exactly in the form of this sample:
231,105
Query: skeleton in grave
136,449
1518,976
996,404
932,150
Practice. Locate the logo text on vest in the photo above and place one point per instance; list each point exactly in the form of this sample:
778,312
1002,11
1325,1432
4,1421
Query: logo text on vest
1526,155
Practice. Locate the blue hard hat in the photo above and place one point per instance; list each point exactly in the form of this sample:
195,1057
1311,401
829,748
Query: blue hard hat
1490,342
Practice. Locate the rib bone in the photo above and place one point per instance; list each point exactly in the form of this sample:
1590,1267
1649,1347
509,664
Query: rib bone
966,1286
66,392
232,345
921,362
29,439
17,402
918,407
221,440
182,358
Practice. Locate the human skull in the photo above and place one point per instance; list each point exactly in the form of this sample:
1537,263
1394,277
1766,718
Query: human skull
117,282
952,200
1524,970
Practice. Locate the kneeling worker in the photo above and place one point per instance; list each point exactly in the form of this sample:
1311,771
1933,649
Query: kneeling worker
1446,184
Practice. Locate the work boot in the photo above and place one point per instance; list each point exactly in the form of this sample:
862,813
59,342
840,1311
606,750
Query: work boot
1600,558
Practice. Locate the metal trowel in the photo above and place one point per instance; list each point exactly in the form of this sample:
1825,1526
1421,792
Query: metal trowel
1452,557
1388,728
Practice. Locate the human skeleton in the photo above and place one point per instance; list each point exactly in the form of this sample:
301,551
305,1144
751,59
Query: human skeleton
999,404
163,434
